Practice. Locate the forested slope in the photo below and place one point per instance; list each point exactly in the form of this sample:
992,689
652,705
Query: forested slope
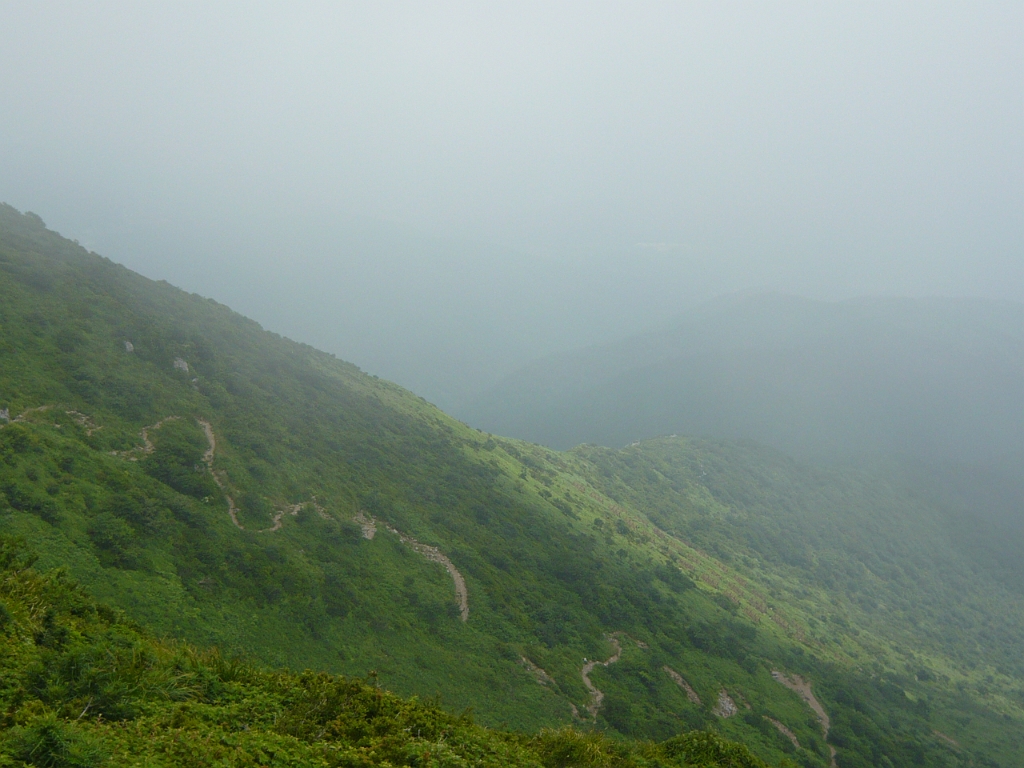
83,686
226,486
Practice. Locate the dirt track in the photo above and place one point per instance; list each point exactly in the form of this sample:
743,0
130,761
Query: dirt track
678,680
539,674
803,688
597,696
784,731
435,555
221,479
368,524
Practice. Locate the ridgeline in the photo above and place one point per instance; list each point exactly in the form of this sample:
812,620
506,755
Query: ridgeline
218,484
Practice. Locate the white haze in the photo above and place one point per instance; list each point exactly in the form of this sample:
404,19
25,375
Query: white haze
440,192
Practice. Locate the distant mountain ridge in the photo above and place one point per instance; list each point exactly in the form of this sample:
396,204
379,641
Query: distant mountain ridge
933,379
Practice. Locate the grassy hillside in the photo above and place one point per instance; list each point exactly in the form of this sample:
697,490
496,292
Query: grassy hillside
866,567
937,380
83,686
226,486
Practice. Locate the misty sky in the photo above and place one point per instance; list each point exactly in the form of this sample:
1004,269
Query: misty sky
440,192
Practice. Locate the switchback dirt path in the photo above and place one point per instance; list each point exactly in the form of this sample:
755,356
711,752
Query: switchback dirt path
597,696
678,680
803,689
147,446
435,555
25,414
85,422
541,676
220,479
784,731
78,417
368,524
5,416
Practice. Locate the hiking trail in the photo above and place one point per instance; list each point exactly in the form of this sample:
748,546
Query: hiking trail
221,479
784,731
147,444
6,417
368,524
433,554
82,420
85,422
803,689
597,696
539,674
678,680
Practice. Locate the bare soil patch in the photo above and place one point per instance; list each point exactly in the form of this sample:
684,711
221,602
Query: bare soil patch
597,696
431,553
678,680
725,706
803,688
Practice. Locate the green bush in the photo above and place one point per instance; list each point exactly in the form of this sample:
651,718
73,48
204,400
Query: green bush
47,742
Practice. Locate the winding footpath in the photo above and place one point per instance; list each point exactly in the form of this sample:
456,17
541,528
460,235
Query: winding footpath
82,420
803,689
596,695
784,731
433,554
540,675
219,479
368,524
148,446
678,680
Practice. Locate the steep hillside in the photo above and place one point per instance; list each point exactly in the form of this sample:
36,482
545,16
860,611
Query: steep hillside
226,486
82,686
935,380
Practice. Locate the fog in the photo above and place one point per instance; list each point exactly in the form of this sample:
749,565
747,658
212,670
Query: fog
442,192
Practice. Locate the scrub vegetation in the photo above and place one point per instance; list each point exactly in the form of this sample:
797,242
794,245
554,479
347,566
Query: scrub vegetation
82,686
221,485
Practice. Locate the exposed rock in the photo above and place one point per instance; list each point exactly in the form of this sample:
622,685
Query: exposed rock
180,365
725,707
368,525
129,347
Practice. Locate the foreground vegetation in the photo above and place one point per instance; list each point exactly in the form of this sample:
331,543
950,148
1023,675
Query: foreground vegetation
228,487
81,686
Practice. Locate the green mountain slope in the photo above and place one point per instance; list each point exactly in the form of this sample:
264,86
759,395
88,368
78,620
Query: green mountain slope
82,686
227,486
934,379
